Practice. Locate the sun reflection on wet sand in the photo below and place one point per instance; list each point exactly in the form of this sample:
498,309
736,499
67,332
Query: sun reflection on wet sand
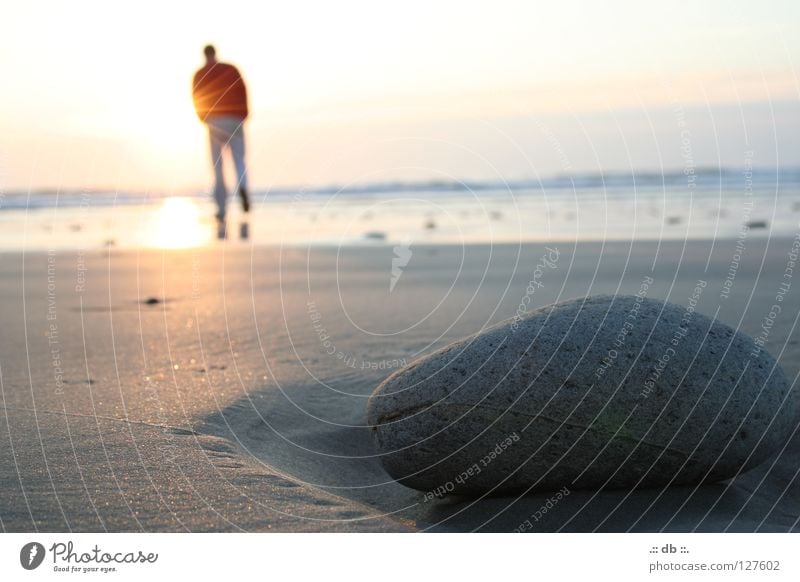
177,224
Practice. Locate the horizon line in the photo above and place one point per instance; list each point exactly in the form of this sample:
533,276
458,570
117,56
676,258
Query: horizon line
555,180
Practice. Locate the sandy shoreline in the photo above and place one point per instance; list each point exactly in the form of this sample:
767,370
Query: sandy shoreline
235,400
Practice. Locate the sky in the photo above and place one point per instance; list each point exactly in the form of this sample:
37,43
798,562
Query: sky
97,94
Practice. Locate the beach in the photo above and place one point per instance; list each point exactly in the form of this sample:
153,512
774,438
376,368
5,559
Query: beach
223,387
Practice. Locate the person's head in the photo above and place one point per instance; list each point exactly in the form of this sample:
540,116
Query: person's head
210,52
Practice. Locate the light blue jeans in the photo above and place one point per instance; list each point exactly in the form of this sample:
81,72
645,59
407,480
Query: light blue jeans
226,132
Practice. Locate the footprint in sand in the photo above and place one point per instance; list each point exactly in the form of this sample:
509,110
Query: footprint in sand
278,481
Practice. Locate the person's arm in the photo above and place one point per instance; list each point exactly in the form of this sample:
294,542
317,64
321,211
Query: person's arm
196,95
244,94
243,87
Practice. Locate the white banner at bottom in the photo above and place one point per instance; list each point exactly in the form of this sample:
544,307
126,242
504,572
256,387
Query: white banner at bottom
390,557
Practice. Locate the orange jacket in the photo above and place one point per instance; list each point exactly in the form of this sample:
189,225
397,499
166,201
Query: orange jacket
218,89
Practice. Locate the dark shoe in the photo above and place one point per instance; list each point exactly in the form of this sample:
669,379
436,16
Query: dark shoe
245,200
222,229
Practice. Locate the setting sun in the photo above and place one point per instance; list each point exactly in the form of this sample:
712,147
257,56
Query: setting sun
177,225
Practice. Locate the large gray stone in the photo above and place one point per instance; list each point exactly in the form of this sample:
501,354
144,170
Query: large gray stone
604,391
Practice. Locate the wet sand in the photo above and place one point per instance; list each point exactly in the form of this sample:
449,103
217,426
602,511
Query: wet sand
223,389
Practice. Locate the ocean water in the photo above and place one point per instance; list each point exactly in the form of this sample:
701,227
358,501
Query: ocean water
709,204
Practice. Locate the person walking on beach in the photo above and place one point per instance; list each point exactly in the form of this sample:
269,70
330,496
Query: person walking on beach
220,100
